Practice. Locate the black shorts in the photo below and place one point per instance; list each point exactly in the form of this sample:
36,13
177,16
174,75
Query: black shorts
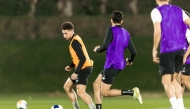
171,62
83,76
186,69
108,75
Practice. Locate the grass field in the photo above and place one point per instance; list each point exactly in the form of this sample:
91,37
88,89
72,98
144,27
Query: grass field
45,101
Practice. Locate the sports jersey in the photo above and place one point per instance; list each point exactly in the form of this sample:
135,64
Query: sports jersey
77,50
109,38
172,25
115,51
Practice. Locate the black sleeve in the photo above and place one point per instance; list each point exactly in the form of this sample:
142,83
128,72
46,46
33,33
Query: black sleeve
78,49
132,50
107,40
72,65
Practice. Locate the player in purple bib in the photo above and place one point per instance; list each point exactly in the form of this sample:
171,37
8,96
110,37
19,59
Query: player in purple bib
185,77
168,21
116,40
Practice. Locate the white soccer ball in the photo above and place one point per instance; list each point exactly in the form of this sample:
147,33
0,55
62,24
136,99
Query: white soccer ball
21,104
56,106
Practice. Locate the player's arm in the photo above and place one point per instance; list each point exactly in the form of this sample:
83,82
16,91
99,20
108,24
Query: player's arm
69,68
107,40
186,55
156,19
72,65
78,49
132,50
188,50
157,36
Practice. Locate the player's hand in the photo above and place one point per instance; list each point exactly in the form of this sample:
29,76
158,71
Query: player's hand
74,76
156,60
154,55
96,47
68,68
128,63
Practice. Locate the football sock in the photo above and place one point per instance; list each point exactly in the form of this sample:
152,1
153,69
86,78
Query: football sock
180,103
98,106
127,92
92,106
75,105
173,102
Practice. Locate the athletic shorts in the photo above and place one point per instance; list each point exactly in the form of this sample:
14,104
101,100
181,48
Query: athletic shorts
186,69
108,75
171,62
83,76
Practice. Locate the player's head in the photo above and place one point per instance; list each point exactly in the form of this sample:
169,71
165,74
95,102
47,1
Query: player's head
67,30
117,17
159,2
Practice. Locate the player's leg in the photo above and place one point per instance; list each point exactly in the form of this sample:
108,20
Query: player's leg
177,86
178,91
68,87
179,80
166,70
81,91
186,76
81,83
108,77
169,64
169,89
107,80
183,89
186,81
107,92
97,91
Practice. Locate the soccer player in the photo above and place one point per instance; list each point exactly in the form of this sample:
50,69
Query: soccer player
185,77
82,64
168,21
116,40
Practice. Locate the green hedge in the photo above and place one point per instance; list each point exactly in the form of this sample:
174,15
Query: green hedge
87,26
14,7
38,66
84,7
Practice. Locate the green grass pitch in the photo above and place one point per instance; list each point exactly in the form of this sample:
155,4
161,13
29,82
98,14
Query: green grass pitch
45,101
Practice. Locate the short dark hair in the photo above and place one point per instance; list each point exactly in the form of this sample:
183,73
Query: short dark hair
117,16
67,26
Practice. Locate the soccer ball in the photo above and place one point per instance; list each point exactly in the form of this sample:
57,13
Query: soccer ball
21,104
56,106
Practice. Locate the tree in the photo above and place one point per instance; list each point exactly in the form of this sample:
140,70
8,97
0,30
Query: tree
65,7
133,6
32,7
103,6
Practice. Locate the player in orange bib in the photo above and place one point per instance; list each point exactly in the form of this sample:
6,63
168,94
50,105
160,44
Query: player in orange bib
83,67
